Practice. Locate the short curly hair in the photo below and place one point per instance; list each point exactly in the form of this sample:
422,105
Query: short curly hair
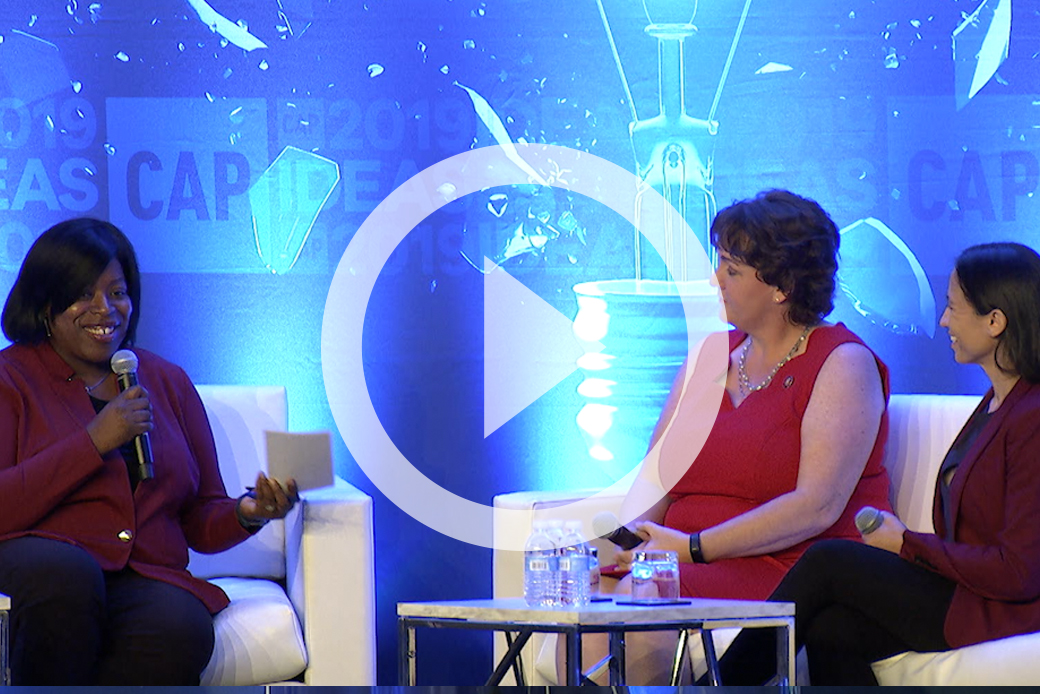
790,242
64,261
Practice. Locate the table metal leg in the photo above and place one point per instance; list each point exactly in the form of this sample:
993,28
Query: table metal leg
405,653
510,659
519,678
5,666
680,655
616,667
573,657
709,657
785,654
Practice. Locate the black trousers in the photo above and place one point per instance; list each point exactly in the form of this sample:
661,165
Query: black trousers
74,624
854,604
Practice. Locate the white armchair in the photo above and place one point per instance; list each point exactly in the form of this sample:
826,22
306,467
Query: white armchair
921,429
302,590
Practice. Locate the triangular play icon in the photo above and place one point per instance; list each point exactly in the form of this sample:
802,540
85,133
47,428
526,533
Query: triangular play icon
529,347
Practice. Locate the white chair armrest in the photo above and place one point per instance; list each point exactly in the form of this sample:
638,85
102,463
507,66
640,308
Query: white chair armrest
330,578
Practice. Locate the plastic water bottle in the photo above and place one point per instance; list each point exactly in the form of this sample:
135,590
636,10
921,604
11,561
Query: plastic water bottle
540,568
574,567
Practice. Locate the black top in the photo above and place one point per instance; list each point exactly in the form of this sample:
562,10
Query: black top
127,450
972,428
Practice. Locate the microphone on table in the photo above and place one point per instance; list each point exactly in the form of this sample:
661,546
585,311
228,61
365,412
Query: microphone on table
868,519
124,364
606,525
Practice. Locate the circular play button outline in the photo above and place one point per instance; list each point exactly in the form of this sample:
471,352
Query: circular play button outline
355,277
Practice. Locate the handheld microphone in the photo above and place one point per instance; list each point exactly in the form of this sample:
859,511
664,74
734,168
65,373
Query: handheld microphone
606,525
868,519
124,364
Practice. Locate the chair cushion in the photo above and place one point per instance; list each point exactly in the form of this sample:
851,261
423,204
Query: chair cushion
1005,662
261,556
258,636
238,417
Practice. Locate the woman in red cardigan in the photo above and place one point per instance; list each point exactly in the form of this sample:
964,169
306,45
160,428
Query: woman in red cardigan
94,554
977,578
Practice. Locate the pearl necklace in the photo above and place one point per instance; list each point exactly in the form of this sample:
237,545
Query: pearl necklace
742,378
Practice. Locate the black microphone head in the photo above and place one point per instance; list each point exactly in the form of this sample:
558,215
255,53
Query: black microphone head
124,362
605,523
868,519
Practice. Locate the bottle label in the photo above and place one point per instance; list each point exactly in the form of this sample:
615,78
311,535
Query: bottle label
536,564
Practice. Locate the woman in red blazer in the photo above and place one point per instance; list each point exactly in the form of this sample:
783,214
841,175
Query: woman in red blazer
93,551
977,577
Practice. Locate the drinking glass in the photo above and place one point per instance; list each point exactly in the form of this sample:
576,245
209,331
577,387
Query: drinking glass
655,577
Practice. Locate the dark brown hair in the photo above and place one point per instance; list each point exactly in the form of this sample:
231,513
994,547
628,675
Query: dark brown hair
790,242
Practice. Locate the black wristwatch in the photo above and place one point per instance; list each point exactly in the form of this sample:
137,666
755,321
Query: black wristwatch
695,549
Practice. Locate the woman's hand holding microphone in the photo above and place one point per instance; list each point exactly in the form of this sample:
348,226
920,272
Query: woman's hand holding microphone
880,529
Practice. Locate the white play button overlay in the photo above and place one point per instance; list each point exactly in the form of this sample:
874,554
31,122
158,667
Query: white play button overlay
529,347
525,356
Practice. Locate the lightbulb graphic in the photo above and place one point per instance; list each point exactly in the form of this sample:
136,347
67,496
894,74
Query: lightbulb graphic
641,339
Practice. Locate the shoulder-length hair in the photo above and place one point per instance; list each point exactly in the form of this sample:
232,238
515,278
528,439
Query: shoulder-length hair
790,242
1006,276
61,264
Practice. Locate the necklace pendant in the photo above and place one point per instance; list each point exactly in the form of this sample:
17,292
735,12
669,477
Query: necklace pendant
744,383
90,389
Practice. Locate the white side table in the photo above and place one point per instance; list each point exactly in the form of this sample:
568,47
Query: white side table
5,667
514,617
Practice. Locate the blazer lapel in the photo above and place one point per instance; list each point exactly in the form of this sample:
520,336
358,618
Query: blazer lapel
982,441
74,399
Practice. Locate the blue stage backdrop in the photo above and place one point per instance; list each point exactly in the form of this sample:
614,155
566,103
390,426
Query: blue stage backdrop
242,144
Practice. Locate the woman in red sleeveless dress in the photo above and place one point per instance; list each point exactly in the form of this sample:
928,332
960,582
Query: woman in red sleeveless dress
796,448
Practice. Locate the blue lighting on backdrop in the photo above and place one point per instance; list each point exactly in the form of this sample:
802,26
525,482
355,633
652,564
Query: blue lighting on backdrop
241,144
